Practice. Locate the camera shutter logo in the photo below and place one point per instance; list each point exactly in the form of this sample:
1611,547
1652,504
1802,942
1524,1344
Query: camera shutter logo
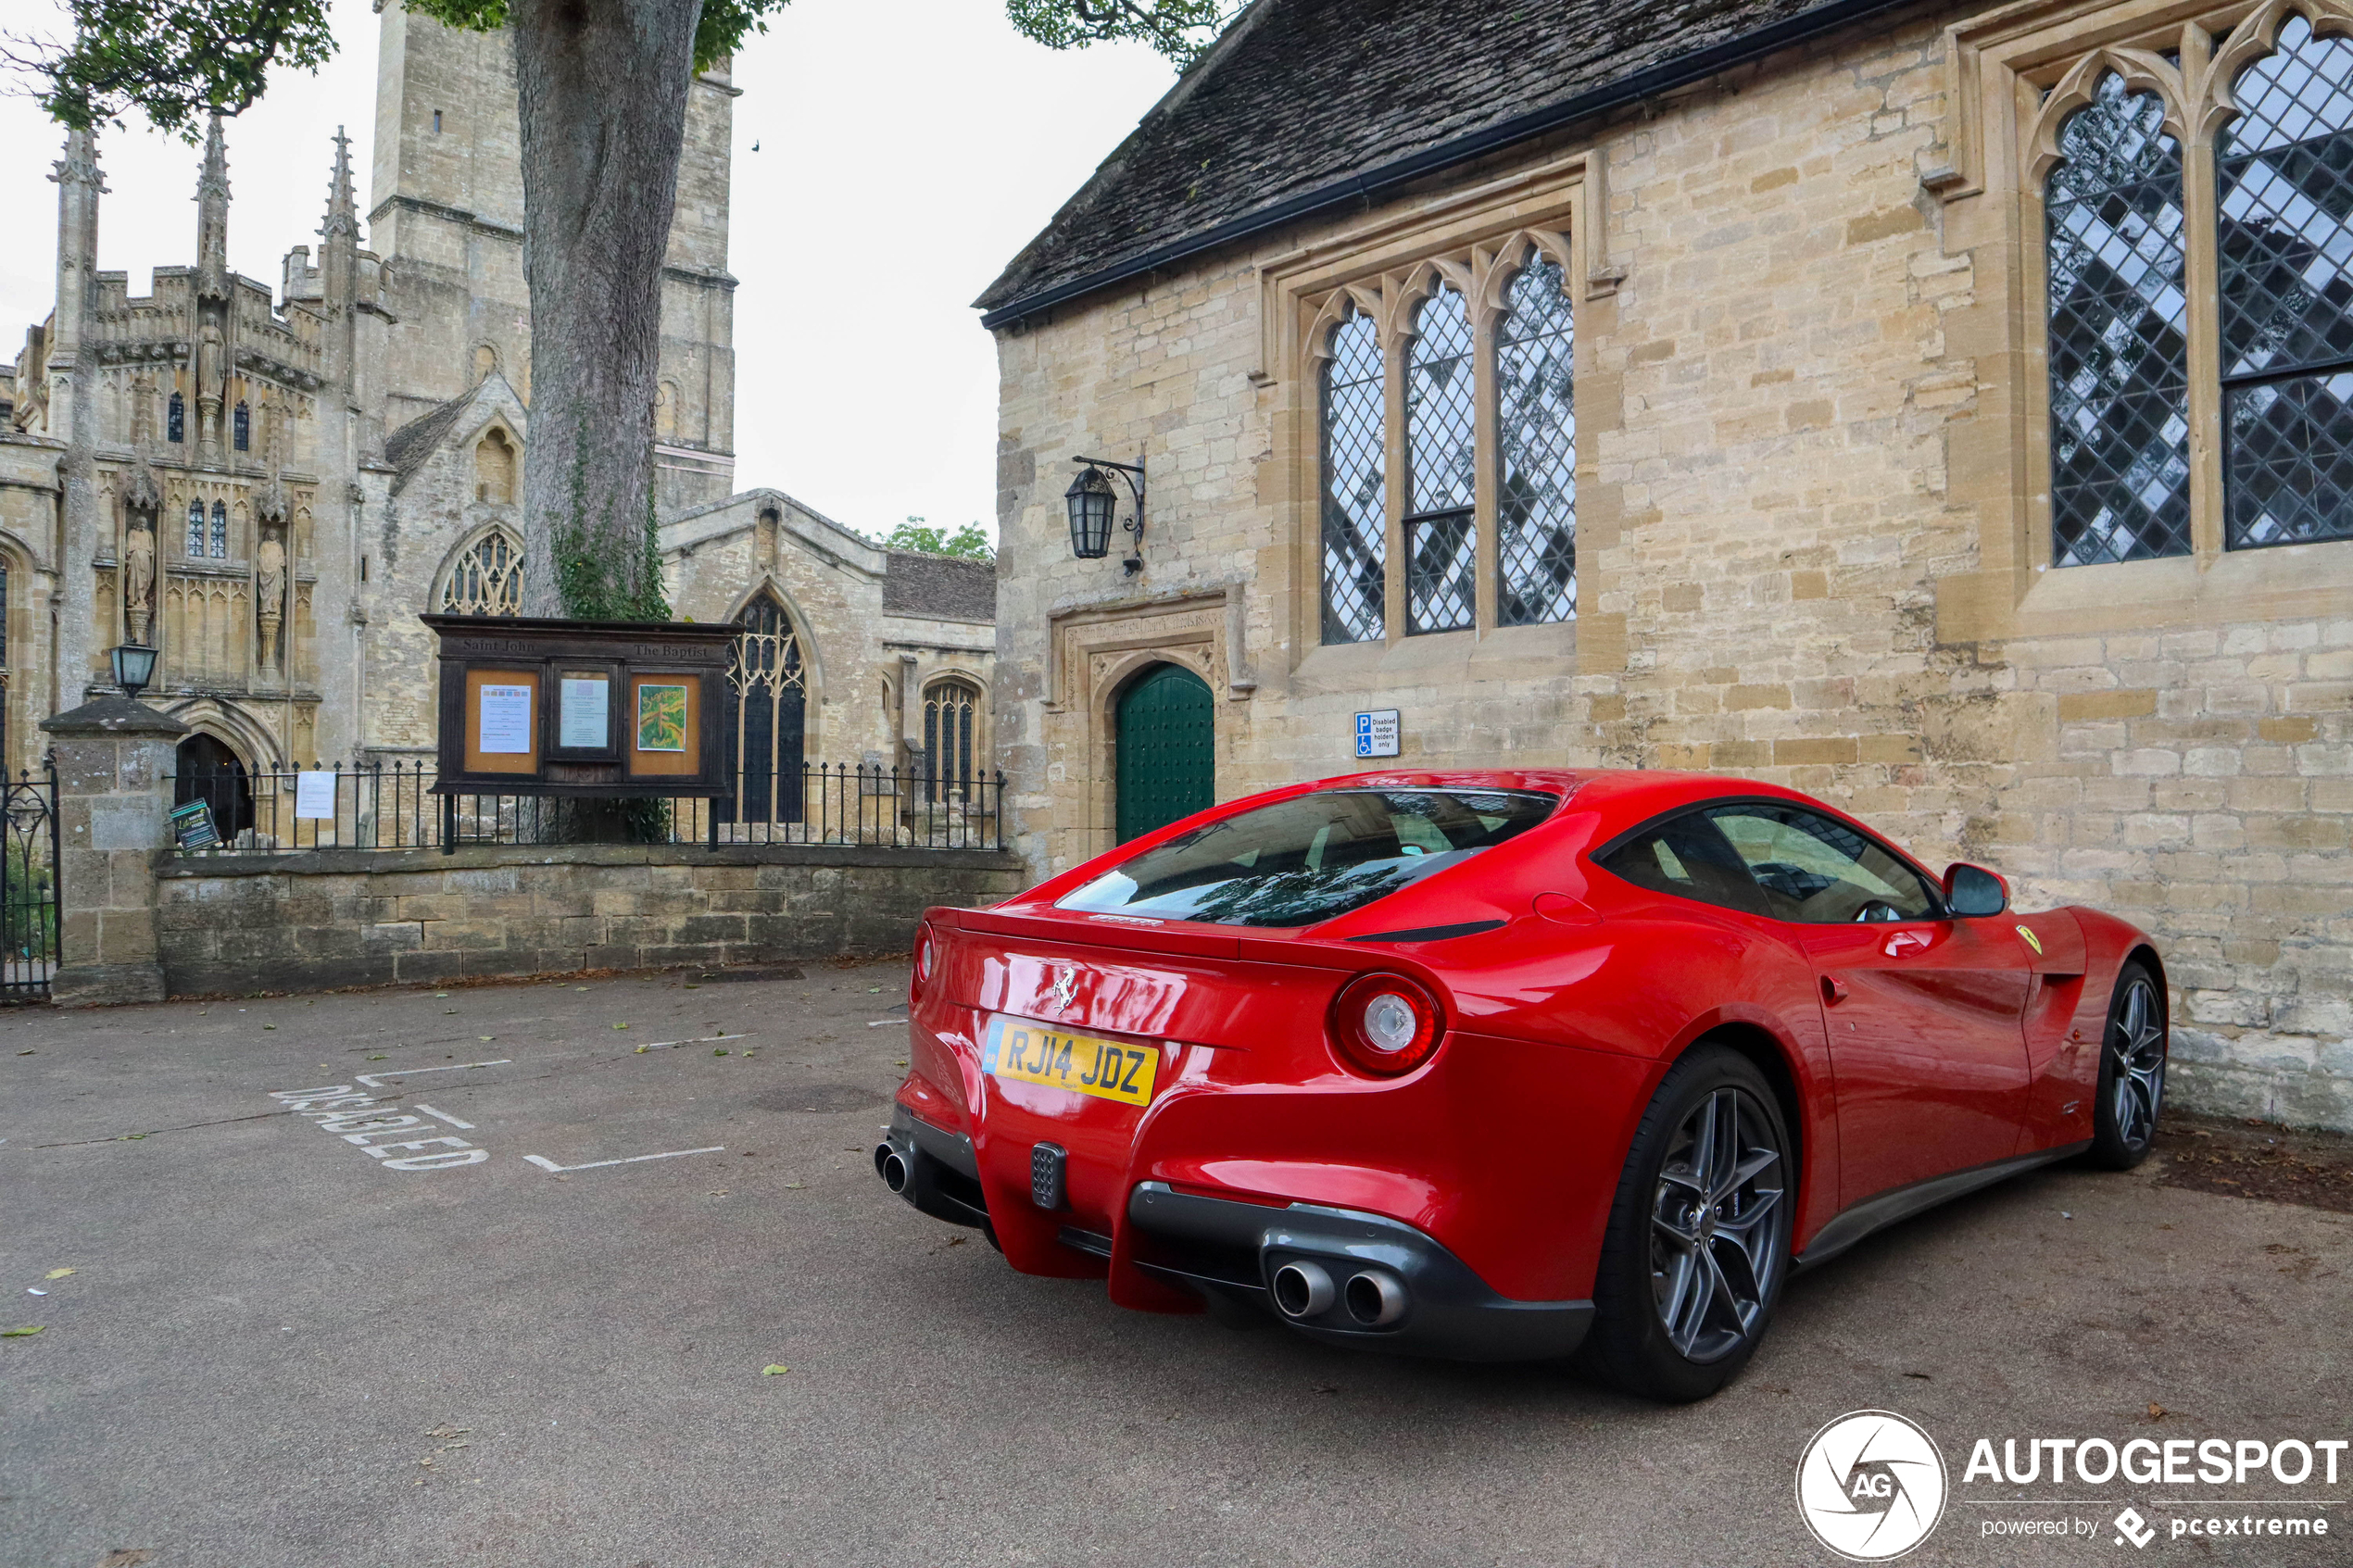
1870,1486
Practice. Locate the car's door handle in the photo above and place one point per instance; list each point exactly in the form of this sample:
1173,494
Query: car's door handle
1834,991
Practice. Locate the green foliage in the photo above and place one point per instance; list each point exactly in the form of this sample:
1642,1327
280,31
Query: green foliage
967,542
175,60
172,62
586,588
1180,29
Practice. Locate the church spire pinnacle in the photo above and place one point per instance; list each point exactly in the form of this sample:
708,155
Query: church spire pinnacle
212,216
343,209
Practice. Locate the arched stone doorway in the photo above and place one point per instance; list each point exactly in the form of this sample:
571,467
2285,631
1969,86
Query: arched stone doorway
205,769
1165,750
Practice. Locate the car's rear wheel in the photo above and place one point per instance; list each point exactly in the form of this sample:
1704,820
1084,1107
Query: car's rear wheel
2132,1087
1698,1239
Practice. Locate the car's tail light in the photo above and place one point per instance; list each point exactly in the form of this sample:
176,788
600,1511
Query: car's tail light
926,961
1386,1023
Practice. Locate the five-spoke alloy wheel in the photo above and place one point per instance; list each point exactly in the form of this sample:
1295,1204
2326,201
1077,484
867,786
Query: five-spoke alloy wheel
2132,1085
1698,1239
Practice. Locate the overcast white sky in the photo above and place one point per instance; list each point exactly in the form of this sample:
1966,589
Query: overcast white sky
906,152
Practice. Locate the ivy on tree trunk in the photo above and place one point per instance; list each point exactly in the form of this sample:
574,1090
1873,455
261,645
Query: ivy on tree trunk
602,85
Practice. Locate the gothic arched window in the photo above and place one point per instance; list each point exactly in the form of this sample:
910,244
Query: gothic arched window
1536,508
219,529
2118,326
1442,541
2285,210
175,418
241,428
951,710
771,695
1354,507
194,541
486,579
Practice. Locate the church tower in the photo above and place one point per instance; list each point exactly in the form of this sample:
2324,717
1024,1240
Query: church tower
447,214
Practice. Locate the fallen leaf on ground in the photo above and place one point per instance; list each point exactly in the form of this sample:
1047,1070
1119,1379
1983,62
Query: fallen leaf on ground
796,1184
269,1026
722,1051
773,1371
28,1053
641,1051
21,1333
57,1274
621,1026
447,1431
485,1039
126,1557
2156,1412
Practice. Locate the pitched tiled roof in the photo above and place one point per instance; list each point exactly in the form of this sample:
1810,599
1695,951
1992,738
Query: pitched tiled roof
939,587
1307,104
406,448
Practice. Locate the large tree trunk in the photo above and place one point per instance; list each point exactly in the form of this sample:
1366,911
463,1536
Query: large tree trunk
602,87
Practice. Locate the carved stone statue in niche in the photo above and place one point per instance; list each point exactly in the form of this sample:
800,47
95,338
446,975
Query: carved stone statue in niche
141,499
210,383
270,577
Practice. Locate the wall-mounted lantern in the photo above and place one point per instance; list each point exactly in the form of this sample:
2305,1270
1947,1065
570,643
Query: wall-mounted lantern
133,668
1092,502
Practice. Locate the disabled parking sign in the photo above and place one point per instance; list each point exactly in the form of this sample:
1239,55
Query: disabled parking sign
1377,734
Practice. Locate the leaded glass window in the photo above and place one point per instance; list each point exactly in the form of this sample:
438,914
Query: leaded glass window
1354,505
950,711
175,421
1441,540
194,541
219,529
2119,327
2283,169
487,579
771,705
241,428
1535,510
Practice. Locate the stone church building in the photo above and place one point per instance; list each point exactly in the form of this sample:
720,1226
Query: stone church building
1947,409
269,484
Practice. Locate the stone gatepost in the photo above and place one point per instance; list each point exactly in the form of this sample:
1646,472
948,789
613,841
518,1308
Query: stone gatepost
114,806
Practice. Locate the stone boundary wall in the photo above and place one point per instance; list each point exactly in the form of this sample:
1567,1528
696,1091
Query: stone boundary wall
346,917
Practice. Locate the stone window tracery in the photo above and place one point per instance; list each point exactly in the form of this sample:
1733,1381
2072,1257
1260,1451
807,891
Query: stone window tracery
1483,348
495,469
219,529
950,728
486,579
193,546
241,428
771,684
2197,198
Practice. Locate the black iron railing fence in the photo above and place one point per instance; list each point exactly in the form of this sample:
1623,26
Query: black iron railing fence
392,806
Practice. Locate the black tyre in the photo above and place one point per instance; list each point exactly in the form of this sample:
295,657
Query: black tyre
1698,1240
2133,1055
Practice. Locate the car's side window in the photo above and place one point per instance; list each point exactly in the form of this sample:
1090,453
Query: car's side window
1819,872
1688,858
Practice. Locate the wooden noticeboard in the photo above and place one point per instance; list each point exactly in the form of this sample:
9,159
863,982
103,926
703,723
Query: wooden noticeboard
583,708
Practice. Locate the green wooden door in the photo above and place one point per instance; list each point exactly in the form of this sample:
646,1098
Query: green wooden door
1166,768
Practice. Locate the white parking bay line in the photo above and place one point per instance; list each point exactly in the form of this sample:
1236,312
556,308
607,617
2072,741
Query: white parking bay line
547,1164
376,1080
698,1040
429,1111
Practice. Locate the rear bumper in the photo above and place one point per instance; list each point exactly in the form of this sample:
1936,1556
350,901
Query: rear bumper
1230,1249
942,1177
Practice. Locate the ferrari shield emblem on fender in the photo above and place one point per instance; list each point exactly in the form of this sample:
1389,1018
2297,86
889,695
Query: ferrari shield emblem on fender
2031,940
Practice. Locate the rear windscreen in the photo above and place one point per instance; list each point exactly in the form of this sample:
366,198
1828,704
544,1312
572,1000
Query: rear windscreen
1312,857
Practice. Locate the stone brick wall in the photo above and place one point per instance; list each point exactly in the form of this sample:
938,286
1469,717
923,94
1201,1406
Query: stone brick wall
278,923
1808,551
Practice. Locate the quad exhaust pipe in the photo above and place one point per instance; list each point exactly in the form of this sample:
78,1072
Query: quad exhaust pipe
1373,1298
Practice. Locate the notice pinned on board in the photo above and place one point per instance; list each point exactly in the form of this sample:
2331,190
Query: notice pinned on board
315,794
506,719
584,714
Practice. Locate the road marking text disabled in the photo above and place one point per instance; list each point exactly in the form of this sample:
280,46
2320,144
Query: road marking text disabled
358,1119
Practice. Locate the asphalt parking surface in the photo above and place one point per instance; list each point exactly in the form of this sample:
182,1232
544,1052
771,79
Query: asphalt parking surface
274,1349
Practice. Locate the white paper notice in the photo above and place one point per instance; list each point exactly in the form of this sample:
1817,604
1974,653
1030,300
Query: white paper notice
506,719
315,794
585,707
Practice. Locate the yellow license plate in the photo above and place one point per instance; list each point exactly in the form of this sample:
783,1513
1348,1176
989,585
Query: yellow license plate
1036,1054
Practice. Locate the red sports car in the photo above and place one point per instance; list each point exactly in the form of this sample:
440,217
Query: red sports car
1508,1065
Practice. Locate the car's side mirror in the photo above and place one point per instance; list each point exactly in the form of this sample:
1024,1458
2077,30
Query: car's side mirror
1972,891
